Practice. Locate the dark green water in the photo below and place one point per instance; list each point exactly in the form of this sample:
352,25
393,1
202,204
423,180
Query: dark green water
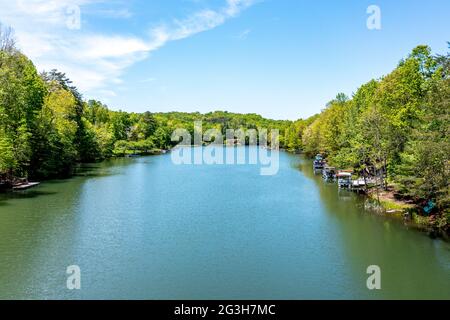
147,229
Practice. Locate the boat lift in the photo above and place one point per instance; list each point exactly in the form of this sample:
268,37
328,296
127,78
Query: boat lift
318,163
344,180
329,173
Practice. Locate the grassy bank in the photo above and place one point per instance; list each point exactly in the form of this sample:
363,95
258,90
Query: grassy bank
436,225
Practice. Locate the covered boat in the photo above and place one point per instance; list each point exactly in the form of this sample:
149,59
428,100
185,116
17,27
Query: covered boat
329,173
319,162
344,179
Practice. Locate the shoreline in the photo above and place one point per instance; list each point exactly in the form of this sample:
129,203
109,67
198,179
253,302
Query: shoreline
384,203
388,204
408,212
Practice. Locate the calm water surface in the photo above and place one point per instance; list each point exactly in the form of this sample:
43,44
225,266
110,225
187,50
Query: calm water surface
147,229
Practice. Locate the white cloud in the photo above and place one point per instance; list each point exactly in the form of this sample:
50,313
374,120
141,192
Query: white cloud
98,46
114,14
244,34
94,60
201,21
148,80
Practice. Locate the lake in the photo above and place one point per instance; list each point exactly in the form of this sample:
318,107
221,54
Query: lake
145,228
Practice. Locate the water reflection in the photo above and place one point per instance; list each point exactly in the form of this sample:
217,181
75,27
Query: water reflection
38,230
147,229
413,266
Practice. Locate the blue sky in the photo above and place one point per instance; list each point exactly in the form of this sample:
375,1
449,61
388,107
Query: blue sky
284,59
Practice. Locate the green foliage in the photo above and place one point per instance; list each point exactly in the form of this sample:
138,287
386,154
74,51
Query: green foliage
46,127
395,129
7,160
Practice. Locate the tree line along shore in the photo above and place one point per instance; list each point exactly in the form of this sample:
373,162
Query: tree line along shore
394,129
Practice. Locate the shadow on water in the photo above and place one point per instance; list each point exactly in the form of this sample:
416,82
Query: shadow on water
413,266
35,237
28,194
133,225
107,168
39,228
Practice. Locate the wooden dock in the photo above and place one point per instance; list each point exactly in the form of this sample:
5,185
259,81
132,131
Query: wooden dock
25,186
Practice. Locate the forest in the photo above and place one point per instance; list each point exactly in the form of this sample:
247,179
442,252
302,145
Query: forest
395,128
46,127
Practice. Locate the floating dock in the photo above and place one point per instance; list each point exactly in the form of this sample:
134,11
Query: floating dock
25,186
